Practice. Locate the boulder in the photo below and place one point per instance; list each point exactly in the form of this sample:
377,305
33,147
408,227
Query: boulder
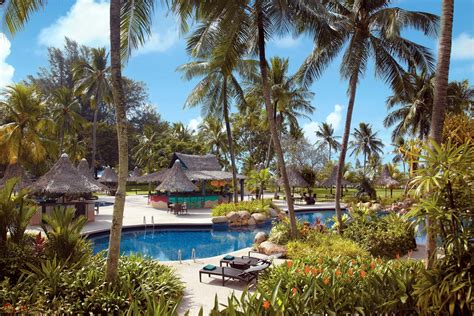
244,215
220,220
376,207
269,248
233,216
260,237
367,204
273,213
259,217
251,221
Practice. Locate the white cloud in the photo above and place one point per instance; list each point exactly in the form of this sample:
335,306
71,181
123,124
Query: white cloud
309,130
160,42
334,118
463,47
194,123
6,70
287,41
87,22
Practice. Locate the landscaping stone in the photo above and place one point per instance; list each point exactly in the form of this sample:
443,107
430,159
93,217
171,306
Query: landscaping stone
233,216
244,214
251,221
269,248
376,207
260,237
259,217
367,204
219,220
273,213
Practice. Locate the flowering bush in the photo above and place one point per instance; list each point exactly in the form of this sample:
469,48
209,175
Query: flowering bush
332,286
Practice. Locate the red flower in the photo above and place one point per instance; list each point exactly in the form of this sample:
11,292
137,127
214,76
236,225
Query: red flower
306,269
326,281
294,291
314,271
363,273
338,272
266,305
289,264
372,265
353,262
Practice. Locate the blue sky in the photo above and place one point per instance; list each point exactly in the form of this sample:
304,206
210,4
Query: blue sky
87,22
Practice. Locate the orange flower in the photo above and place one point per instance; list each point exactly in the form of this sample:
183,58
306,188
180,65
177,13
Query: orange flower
372,265
350,272
314,271
266,305
289,264
353,262
326,281
306,269
397,255
363,273
294,290
338,272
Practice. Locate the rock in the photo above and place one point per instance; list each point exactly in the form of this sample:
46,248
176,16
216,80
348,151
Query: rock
273,213
367,204
259,217
260,237
269,248
219,220
233,216
251,221
376,207
244,215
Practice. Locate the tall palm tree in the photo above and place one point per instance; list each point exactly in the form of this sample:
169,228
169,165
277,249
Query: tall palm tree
23,137
215,92
64,111
366,142
146,151
93,81
326,133
213,136
439,102
398,152
290,101
365,29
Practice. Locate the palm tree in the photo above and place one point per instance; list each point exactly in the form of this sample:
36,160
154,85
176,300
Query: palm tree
398,152
366,142
326,133
290,100
213,136
215,92
93,80
65,113
22,138
365,29
439,103
146,151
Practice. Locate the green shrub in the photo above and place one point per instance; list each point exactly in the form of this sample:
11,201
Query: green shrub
13,259
385,236
57,287
318,244
332,286
255,206
280,232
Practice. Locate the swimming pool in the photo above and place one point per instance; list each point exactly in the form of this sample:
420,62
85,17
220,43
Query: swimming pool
164,244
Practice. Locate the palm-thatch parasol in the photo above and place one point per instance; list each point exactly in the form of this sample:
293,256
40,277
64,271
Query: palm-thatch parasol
64,179
136,173
16,171
331,181
154,177
109,176
83,168
176,180
295,179
386,180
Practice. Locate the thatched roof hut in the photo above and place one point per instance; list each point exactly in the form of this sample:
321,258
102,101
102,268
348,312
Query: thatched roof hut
16,171
196,162
109,176
83,168
153,177
295,179
386,179
331,181
64,179
176,180
136,173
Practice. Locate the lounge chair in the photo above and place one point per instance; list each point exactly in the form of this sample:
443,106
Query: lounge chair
246,262
230,273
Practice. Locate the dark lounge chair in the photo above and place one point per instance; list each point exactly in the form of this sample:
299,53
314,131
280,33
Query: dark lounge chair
230,273
246,262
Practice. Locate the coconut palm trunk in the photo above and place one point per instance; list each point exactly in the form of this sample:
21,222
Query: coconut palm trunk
94,139
271,119
121,122
345,141
439,104
230,141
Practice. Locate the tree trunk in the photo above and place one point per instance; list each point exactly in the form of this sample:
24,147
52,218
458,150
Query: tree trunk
271,119
345,141
439,104
230,141
329,156
61,141
121,122
94,139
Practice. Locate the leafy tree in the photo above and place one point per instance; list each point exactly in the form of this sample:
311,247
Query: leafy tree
146,151
366,142
210,130
326,133
365,29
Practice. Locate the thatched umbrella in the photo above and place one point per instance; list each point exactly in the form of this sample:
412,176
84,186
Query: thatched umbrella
109,176
83,168
64,179
16,171
331,181
136,173
176,180
295,179
386,180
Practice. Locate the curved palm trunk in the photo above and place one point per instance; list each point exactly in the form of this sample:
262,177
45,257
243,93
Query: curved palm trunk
439,103
121,122
61,141
94,140
230,141
345,141
329,152
271,119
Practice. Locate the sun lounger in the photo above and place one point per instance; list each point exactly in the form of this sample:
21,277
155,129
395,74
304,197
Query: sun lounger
246,262
230,273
